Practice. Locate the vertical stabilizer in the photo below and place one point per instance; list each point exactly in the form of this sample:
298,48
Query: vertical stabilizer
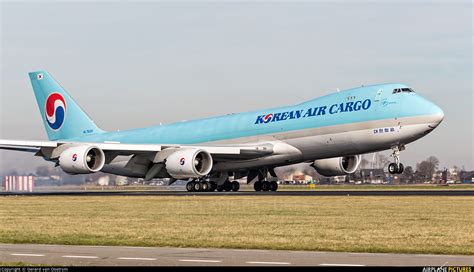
62,117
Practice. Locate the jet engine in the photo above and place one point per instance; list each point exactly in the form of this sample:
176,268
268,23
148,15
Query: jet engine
188,163
337,166
83,159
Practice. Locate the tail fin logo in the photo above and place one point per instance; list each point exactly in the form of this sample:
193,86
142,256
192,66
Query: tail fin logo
55,111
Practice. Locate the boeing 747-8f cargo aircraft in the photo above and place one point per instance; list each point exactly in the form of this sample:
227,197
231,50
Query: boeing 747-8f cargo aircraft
330,132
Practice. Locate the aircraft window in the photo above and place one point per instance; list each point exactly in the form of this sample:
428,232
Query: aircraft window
405,90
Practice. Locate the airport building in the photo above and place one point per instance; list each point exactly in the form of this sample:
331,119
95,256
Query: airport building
19,183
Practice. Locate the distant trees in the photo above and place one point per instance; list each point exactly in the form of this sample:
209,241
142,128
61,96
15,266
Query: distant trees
364,163
407,175
56,173
43,171
382,160
408,171
427,167
12,172
373,160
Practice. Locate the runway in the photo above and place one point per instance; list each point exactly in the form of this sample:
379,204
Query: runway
438,192
157,256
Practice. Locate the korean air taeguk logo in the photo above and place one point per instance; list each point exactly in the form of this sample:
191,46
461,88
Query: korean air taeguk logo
55,110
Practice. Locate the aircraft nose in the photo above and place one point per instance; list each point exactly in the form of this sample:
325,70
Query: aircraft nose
432,113
436,112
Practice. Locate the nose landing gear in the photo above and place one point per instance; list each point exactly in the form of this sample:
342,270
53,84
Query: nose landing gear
396,167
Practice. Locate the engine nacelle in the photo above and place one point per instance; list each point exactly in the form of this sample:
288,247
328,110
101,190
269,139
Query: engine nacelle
83,159
337,166
188,163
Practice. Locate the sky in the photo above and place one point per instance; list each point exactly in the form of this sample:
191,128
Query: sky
139,64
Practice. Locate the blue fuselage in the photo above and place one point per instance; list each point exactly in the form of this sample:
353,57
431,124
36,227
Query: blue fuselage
358,105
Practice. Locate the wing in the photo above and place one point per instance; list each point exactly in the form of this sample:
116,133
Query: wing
148,160
52,149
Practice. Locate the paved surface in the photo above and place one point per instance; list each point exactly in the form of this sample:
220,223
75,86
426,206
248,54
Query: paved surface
438,192
155,256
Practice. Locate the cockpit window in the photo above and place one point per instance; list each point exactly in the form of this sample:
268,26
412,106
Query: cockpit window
404,90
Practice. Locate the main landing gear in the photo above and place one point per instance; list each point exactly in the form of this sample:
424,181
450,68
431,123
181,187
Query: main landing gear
262,184
265,186
211,186
221,183
228,186
396,167
201,186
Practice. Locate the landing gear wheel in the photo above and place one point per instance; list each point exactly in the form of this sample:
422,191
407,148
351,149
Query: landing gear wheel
227,186
190,186
273,186
213,186
257,186
205,187
400,168
220,188
393,168
265,186
197,186
235,186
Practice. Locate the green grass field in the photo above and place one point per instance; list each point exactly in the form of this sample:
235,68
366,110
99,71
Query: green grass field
421,224
377,187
